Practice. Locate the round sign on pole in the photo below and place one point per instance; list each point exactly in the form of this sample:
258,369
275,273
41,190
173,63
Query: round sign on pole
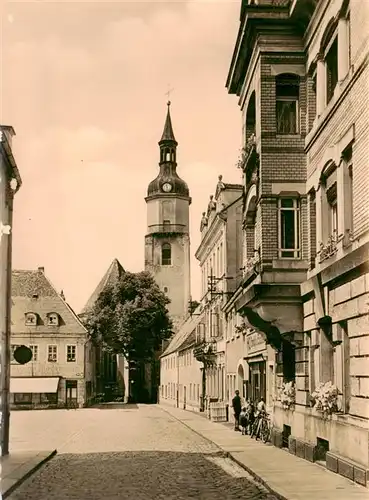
22,354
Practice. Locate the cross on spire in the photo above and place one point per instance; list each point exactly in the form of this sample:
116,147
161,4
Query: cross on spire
169,91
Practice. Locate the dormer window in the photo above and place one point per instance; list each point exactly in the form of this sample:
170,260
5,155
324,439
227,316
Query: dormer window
53,319
31,319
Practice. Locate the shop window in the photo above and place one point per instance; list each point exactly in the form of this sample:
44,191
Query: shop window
287,104
22,398
49,398
289,362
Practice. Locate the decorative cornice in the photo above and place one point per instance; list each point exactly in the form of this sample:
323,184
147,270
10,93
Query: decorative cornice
205,246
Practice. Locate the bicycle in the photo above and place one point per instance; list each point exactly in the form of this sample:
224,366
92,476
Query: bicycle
261,428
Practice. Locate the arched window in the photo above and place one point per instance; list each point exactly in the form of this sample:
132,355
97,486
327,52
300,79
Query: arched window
287,100
251,117
166,254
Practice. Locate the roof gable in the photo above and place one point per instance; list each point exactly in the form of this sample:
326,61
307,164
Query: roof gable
32,292
111,276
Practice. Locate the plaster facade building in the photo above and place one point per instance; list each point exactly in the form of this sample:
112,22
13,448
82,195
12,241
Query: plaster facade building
181,379
167,242
10,182
193,369
219,255
61,371
112,374
300,71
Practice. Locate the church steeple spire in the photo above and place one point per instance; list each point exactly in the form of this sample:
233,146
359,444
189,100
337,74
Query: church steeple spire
168,182
168,143
168,134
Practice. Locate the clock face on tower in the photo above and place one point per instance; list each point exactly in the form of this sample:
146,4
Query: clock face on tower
167,187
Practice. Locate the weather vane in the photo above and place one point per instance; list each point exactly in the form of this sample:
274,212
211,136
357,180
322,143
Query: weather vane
170,90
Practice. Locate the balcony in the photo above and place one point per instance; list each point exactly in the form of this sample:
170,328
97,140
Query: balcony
167,229
330,248
205,352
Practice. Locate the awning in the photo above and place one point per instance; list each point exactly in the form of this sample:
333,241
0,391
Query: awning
259,358
34,385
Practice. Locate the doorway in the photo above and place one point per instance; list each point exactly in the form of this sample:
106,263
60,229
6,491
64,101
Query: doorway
71,393
184,397
241,381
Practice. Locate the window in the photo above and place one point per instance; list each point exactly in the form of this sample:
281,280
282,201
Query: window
31,319
289,228
71,353
166,254
13,347
333,210
166,222
34,349
52,353
165,289
49,398
287,98
22,398
53,319
348,192
331,63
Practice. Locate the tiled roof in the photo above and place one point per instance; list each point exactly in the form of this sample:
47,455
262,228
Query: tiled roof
189,341
183,333
33,292
111,276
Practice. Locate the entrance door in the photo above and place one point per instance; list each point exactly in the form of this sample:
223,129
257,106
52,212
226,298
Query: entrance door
71,393
184,397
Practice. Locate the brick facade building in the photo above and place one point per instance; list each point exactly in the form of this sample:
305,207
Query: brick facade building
300,70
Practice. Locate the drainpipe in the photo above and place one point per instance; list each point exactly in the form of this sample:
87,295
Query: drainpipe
6,343
177,379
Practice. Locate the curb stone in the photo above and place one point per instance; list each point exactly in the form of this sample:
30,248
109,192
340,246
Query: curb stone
227,454
34,469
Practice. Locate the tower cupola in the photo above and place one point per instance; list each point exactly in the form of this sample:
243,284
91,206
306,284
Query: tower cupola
168,181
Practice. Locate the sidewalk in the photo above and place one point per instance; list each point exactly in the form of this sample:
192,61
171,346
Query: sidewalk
287,476
18,466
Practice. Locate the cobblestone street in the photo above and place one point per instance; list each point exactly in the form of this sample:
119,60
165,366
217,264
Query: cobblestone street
137,452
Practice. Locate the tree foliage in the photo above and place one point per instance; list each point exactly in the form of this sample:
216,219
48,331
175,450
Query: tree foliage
131,317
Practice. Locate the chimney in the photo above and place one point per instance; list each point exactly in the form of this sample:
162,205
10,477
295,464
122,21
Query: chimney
62,295
41,269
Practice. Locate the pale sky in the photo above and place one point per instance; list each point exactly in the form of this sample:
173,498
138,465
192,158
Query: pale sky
83,84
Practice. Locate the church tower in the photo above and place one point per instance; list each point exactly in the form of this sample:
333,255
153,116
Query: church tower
167,242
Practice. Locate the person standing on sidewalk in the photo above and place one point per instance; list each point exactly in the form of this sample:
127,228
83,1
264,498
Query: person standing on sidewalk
237,406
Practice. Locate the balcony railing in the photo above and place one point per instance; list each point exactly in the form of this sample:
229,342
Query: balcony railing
167,228
330,248
251,263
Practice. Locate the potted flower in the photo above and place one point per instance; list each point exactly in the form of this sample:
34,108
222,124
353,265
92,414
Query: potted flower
325,398
287,395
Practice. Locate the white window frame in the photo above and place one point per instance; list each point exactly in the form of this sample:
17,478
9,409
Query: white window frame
75,353
50,316
52,353
327,49
296,102
34,349
297,209
27,319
